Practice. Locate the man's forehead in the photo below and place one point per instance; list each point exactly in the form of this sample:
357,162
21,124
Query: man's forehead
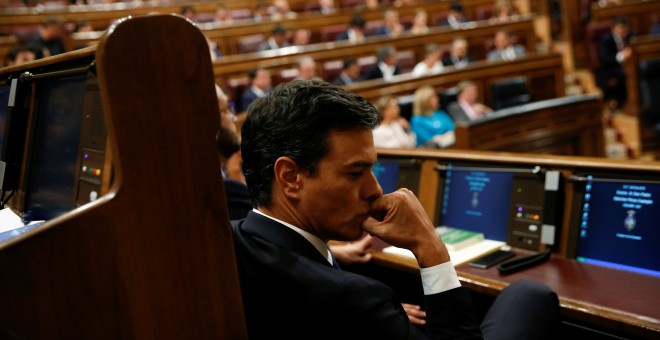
352,146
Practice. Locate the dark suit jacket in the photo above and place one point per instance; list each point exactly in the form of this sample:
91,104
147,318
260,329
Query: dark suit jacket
457,113
375,73
609,68
247,98
290,291
342,36
607,51
445,21
340,81
238,199
448,61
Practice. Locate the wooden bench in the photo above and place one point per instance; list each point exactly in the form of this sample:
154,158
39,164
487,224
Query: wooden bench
236,66
227,35
544,73
563,126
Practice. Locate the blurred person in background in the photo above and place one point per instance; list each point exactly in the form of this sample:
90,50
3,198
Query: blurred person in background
394,130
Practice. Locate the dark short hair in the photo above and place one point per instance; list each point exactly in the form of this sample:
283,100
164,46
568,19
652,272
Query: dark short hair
620,20
456,6
252,73
295,120
347,62
278,30
357,21
30,47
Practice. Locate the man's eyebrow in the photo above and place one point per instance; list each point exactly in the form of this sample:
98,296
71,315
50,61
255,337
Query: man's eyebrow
360,164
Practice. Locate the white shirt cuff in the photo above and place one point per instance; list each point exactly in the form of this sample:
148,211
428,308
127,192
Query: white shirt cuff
619,57
439,278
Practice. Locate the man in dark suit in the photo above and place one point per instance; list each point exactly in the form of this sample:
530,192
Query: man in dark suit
308,155
355,32
505,49
49,37
260,83
229,146
459,56
613,50
385,67
456,16
277,39
350,73
466,108
392,26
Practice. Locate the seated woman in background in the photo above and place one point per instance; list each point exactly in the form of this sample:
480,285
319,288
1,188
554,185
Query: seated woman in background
433,127
394,130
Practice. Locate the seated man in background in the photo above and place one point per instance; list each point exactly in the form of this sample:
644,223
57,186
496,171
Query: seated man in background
307,69
456,16
278,38
505,49
49,37
260,83
355,32
308,155
350,73
386,64
466,107
301,37
22,54
613,50
392,24
458,56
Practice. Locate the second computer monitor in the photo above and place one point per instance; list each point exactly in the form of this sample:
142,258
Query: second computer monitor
505,204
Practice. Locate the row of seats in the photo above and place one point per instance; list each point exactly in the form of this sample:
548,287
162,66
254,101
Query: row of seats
328,71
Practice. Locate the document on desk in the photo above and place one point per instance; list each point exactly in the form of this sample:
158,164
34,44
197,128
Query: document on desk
9,220
459,256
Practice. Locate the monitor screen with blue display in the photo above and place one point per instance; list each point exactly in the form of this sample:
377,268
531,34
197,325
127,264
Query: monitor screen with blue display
387,174
479,201
620,225
395,173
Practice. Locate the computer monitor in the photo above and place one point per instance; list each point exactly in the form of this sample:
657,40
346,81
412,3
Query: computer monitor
618,224
478,201
54,148
66,148
505,204
393,174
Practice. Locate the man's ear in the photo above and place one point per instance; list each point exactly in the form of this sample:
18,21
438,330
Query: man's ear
287,177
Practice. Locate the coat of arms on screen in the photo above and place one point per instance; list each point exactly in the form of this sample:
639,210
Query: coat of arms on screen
630,221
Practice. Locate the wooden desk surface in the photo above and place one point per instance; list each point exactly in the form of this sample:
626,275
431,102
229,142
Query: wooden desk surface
611,299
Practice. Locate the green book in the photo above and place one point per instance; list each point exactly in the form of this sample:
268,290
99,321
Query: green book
455,238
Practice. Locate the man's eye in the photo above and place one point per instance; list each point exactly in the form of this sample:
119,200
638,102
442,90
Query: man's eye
355,174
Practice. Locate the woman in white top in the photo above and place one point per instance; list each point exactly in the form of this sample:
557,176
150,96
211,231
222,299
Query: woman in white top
394,130
431,63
